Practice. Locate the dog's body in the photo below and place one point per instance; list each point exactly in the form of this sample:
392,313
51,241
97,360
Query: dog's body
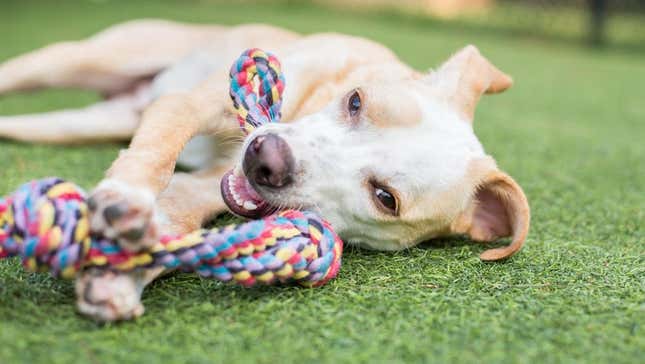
384,152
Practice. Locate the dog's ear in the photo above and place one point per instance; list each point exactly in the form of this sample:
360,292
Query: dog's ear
466,76
498,209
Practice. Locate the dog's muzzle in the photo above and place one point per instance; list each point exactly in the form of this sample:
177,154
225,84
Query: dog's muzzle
268,162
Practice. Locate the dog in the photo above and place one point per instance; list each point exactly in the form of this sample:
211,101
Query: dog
384,152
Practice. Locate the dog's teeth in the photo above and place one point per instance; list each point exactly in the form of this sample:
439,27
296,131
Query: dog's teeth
237,199
249,205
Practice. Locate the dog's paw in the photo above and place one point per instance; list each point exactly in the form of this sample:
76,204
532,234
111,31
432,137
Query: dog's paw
107,296
125,214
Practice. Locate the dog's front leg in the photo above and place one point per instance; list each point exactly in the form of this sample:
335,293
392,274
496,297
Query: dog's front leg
123,204
111,296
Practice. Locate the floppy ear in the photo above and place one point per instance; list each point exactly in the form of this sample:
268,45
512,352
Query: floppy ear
466,76
498,209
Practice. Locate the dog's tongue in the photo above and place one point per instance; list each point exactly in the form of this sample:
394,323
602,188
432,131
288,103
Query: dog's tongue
241,198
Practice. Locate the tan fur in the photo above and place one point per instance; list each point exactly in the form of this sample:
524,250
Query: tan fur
398,111
517,215
185,208
471,75
111,61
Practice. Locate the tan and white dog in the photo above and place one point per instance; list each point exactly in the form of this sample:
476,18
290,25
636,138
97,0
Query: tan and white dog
386,153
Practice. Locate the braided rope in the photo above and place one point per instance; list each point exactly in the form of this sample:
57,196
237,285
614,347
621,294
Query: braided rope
255,108
46,222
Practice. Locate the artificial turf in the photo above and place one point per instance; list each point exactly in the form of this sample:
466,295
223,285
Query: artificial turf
571,132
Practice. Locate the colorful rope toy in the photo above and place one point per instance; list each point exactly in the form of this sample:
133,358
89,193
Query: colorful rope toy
254,109
46,222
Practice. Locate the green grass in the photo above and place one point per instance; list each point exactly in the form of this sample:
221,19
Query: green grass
571,132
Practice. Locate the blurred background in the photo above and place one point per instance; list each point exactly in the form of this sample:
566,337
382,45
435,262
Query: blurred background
618,23
597,22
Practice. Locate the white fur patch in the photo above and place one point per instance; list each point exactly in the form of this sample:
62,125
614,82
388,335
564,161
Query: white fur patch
421,162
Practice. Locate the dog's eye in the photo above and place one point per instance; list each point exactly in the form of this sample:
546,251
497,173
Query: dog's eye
354,104
385,199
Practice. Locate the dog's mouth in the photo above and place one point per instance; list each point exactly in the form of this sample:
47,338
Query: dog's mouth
241,198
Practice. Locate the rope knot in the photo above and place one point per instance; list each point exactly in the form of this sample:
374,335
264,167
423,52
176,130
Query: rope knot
256,89
46,223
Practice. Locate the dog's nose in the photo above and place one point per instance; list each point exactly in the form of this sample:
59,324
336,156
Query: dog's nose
268,161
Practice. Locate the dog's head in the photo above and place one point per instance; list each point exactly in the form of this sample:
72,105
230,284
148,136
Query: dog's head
390,164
